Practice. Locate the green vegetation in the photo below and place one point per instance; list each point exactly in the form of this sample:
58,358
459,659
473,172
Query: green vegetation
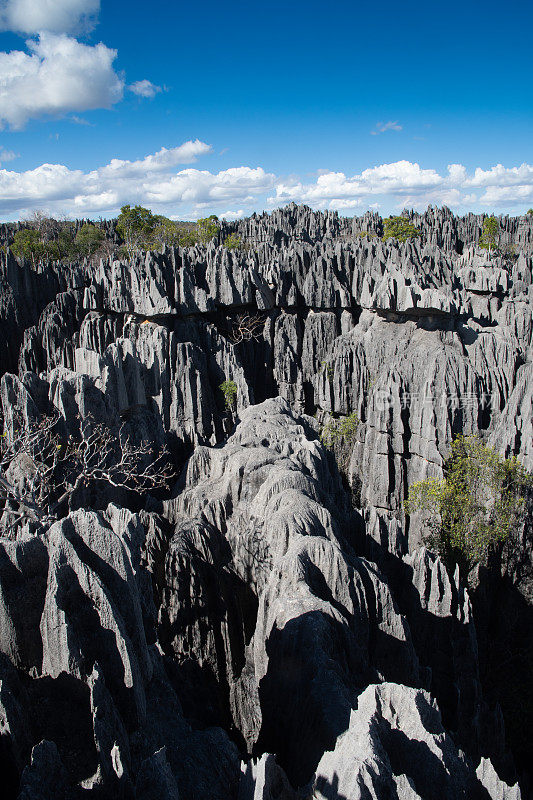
341,429
229,390
165,232
188,239
27,244
328,369
530,211
475,506
47,239
207,228
367,235
399,228
89,240
489,237
233,242
141,230
135,226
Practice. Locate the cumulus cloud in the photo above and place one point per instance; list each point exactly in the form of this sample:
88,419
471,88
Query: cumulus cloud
382,127
144,88
151,181
501,176
396,178
54,16
58,75
159,182
231,216
405,183
205,188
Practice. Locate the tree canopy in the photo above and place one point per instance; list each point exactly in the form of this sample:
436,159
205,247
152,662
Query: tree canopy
489,237
27,244
399,228
207,228
89,239
477,503
141,230
233,242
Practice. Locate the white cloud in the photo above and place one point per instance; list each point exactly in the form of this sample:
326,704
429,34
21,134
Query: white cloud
230,216
54,16
159,182
151,181
205,188
404,183
6,155
144,88
58,75
382,127
502,176
504,196
81,121
396,178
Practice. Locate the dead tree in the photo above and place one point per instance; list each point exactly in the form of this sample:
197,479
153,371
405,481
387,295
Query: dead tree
40,470
247,327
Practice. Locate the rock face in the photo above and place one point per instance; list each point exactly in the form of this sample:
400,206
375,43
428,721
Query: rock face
269,629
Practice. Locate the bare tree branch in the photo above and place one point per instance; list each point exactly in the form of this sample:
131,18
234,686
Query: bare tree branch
247,327
40,470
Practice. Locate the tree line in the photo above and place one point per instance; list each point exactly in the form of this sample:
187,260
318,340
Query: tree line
44,239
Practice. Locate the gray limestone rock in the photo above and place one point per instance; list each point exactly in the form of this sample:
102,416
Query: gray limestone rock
396,746
45,778
255,601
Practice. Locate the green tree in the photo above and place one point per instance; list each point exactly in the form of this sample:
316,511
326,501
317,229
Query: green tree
207,228
188,239
530,212
89,239
475,506
489,236
399,228
165,232
64,245
340,428
27,244
233,242
136,226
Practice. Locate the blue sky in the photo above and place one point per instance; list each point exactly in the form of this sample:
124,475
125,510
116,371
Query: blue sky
233,108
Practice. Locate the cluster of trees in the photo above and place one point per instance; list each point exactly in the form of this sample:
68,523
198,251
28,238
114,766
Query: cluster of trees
141,230
401,229
477,504
46,239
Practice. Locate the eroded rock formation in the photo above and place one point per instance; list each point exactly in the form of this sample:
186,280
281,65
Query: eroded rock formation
270,628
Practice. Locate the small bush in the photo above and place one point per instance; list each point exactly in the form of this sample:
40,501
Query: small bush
229,390
233,242
489,237
341,429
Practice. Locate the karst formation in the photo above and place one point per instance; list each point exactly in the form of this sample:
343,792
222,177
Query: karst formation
272,625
